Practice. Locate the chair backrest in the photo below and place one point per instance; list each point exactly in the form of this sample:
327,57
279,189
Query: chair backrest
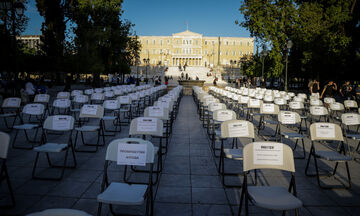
92,111
76,92
12,102
146,126
97,96
61,103
89,91
325,131
157,112
111,105
63,95
59,123
224,115
254,103
33,109
109,94
316,102
4,144
268,155
243,99
336,106
269,108
237,128
296,105
81,99
329,100
318,110
216,106
288,117
280,101
349,119
42,98
350,104
112,149
124,99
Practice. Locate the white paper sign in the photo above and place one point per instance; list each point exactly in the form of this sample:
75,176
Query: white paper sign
351,119
61,122
111,104
97,96
131,154
61,103
224,115
12,102
268,108
238,129
244,99
350,103
42,98
325,130
288,118
89,91
124,99
109,94
335,106
164,104
156,111
89,109
33,109
80,98
147,124
76,92
254,102
63,94
318,110
268,154
295,105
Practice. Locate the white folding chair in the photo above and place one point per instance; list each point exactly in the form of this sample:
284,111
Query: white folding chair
119,193
57,123
59,212
90,111
112,107
256,156
233,129
29,111
322,132
10,109
351,126
63,95
62,106
350,105
4,175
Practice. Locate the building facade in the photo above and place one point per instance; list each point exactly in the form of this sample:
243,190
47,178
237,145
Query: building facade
31,41
193,49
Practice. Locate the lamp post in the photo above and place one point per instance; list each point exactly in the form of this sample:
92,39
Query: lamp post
263,54
289,44
146,62
137,71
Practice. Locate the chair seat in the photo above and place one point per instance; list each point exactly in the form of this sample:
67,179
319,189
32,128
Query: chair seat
123,194
332,156
274,198
353,136
89,128
60,211
293,135
6,115
51,147
26,126
236,154
109,118
273,122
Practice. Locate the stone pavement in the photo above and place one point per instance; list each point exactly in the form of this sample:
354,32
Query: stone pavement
189,183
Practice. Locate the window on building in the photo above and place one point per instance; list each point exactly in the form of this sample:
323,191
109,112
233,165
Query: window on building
154,51
190,41
234,43
147,41
234,52
160,42
240,53
196,42
205,42
147,52
160,51
240,43
227,53
197,51
213,42
248,43
227,43
168,41
177,41
154,42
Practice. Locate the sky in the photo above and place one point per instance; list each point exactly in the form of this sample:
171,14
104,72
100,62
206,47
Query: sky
165,17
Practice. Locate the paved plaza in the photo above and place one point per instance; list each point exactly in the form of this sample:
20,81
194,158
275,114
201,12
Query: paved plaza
189,183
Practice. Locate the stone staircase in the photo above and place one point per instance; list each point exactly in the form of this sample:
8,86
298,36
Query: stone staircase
192,72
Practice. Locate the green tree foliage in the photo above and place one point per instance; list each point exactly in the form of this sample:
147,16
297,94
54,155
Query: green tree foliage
324,33
103,42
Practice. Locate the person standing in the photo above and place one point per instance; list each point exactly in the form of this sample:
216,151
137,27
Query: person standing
329,89
346,90
315,87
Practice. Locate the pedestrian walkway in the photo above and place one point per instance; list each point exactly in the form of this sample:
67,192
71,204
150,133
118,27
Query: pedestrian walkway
189,183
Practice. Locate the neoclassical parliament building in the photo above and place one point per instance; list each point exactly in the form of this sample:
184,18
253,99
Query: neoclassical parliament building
193,49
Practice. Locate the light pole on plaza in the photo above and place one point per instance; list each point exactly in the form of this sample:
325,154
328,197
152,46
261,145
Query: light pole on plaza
263,55
146,62
289,44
